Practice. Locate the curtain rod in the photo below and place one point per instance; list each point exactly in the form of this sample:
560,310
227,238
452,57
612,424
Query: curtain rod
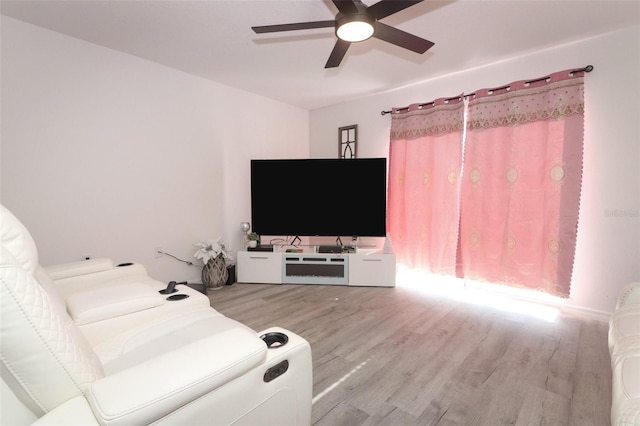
588,68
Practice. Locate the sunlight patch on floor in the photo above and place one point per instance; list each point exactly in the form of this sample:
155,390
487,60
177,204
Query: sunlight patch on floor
514,300
338,382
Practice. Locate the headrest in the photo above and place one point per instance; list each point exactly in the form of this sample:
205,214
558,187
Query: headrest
17,240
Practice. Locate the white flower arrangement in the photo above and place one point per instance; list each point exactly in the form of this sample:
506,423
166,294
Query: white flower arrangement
210,250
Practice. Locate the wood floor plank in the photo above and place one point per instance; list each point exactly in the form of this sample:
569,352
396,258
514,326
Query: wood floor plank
543,407
394,356
592,382
389,415
343,414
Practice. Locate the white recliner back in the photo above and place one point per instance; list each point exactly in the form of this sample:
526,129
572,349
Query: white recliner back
18,241
45,359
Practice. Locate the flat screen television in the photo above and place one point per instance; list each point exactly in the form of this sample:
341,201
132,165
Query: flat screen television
319,197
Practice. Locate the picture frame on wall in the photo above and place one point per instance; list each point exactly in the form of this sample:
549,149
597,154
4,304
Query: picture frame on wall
348,141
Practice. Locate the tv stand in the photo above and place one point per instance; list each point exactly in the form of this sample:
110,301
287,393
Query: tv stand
369,269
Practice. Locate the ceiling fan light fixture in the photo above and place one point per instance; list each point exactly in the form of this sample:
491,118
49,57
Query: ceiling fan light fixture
355,22
355,28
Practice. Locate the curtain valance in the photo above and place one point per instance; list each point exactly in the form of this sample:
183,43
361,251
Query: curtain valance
556,96
439,117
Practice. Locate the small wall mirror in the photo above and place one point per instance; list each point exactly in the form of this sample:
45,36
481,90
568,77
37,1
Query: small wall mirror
348,141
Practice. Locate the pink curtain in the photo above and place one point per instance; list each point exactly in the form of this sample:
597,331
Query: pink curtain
521,183
423,190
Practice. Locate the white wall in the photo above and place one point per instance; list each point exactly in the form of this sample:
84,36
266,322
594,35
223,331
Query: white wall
106,154
608,252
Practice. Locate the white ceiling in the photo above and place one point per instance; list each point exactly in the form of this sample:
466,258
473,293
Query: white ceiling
213,39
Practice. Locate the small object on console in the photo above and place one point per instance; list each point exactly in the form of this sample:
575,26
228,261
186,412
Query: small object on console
261,247
171,288
329,249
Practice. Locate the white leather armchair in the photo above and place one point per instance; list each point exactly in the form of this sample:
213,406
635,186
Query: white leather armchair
184,365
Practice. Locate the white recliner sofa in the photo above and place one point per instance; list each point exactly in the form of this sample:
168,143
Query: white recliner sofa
624,347
94,343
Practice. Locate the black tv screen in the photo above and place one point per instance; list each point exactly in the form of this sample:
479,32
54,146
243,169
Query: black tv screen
319,197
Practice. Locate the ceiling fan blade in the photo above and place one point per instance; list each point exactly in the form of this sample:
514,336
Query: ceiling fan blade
388,7
400,38
346,6
293,27
338,52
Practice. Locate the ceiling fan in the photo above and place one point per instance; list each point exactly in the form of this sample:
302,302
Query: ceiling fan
357,22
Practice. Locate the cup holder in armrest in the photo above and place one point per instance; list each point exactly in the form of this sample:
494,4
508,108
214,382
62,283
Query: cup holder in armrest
275,339
120,265
165,291
177,297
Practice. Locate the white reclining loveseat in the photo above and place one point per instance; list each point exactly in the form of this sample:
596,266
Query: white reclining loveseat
624,347
95,343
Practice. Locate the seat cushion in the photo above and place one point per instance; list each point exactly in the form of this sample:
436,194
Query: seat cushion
174,371
166,334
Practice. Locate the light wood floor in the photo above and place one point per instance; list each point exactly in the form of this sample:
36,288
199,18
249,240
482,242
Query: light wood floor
393,356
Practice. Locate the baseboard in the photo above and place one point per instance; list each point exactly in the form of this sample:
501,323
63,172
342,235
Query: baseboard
584,313
565,306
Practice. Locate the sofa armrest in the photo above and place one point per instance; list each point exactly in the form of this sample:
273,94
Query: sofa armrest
149,391
83,267
74,412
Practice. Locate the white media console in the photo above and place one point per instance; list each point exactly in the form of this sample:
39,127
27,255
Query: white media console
371,269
